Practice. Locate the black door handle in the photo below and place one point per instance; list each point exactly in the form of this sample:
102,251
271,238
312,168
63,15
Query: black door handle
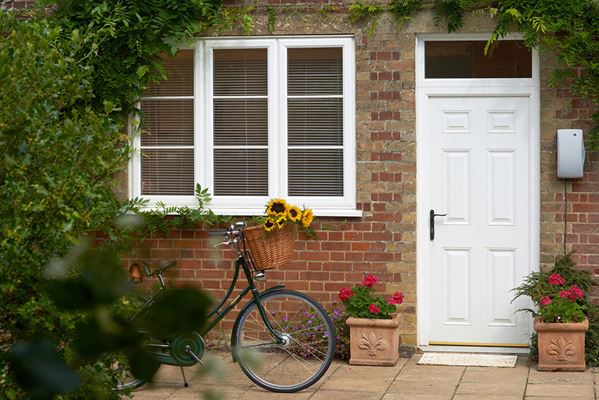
431,222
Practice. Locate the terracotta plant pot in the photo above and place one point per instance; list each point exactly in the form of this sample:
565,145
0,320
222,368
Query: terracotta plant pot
373,341
561,346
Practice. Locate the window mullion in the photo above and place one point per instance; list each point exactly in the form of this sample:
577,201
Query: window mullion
275,111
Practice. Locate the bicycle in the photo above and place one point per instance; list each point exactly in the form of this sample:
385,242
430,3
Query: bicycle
283,340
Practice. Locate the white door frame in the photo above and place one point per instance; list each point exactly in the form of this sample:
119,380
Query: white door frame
526,87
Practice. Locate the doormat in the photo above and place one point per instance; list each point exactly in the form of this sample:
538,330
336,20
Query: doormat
469,360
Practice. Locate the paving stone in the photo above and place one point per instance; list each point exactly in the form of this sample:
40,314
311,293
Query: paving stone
197,392
147,392
259,394
423,387
415,396
485,397
494,389
518,375
364,372
414,371
343,395
554,398
560,377
357,383
563,391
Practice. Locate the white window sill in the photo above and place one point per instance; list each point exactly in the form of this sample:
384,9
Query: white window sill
246,212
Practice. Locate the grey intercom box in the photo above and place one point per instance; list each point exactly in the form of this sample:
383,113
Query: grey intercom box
570,153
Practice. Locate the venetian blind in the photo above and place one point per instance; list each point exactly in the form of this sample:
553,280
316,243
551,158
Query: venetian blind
240,115
315,121
167,139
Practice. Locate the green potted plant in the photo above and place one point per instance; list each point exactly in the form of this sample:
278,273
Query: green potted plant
560,315
373,324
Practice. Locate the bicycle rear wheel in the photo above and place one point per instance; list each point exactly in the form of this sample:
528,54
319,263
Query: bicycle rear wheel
308,341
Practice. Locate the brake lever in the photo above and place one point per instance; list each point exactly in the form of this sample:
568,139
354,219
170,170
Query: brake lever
220,244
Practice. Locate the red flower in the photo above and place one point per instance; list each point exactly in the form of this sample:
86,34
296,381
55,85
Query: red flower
556,279
374,309
345,293
577,292
396,299
545,301
369,281
573,294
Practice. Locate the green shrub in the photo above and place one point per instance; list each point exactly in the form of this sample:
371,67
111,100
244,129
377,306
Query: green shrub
68,79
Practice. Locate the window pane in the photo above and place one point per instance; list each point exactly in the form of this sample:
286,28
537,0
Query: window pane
167,123
466,59
315,122
240,122
240,72
315,172
241,172
179,72
167,172
315,71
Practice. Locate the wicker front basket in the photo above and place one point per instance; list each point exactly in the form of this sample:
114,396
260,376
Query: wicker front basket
270,249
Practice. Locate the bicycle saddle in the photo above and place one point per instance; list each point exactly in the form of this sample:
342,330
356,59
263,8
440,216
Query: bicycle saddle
163,266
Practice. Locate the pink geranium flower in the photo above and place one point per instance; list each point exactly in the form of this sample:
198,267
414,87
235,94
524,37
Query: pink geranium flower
545,301
369,281
556,279
345,293
374,309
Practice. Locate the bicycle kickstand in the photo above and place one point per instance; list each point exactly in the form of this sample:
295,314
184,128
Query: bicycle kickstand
184,380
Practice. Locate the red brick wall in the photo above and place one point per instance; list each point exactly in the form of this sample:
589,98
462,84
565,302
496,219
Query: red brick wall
583,193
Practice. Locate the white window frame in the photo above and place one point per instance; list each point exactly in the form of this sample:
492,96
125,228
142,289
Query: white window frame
277,129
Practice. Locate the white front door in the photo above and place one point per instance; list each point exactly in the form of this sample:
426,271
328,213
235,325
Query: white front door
478,173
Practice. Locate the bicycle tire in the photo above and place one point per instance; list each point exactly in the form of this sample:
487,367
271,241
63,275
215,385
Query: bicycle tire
122,379
309,342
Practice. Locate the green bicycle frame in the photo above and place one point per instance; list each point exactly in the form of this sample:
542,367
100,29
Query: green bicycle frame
220,314
220,310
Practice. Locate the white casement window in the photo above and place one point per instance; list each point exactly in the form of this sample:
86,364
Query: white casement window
252,119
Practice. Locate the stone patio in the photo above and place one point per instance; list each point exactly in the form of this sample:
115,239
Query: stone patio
407,380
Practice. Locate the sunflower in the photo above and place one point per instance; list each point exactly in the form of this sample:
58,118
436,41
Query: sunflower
269,224
294,213
277,207
281,222
307,217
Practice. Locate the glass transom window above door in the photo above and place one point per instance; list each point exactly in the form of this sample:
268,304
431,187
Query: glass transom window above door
467,59
251,119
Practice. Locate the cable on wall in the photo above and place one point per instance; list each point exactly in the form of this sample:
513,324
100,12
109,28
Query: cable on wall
565,215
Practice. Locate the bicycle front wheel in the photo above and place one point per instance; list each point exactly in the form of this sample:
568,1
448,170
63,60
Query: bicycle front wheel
305,349
122,378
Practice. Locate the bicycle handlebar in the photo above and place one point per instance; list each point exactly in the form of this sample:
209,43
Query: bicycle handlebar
232,234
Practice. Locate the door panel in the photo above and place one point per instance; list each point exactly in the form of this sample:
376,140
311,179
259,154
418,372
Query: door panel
478,174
